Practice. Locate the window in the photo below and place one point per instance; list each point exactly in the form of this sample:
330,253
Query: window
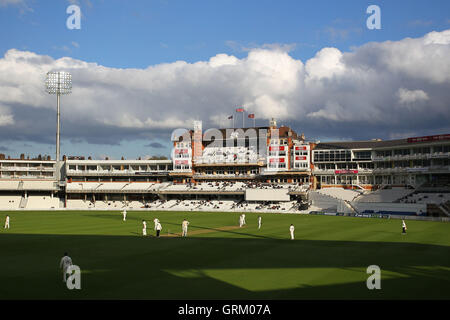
362,155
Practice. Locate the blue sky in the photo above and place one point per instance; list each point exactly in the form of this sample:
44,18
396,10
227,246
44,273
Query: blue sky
139,34
136,34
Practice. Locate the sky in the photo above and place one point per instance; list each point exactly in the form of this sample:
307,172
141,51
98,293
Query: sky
142,69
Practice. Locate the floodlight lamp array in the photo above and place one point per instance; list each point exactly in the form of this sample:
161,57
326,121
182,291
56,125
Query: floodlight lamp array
58,82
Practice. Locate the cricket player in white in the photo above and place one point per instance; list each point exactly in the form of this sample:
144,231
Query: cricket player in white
7,222
156,221
144,229
158,229
65,263
243,218
403,227
259,222
241,221
185,227
291,229
124,213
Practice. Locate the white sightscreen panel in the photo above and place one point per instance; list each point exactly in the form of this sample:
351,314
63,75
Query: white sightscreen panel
267,195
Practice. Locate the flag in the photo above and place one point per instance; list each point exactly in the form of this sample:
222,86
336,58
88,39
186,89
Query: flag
251,116
230,117
240,110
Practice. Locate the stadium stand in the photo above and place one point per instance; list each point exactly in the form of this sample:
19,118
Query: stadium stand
385,195
435,198
42,202
340,193
10,201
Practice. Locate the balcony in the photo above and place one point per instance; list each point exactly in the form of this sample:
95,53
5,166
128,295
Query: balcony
113,172
418,156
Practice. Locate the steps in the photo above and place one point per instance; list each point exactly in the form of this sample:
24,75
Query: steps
23,201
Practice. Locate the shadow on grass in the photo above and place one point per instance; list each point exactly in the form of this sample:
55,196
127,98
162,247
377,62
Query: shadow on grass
136,267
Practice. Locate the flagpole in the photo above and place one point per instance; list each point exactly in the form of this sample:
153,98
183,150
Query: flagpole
243,118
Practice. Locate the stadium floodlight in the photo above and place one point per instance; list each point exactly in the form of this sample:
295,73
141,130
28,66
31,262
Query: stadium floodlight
58,82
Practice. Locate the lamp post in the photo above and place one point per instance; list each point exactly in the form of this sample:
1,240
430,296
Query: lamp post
58,83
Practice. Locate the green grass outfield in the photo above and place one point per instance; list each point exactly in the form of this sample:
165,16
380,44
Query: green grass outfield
328,259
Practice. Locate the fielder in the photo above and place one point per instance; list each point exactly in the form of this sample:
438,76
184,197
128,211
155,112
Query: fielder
7,222
241,221
65,263
144,229
158,229
259,222
243,218
291,230
156,221
185,227
124,213
404,227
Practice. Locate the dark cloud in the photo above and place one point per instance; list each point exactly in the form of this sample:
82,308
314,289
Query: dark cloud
155,145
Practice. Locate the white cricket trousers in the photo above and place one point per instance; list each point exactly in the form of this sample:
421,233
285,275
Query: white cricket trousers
292,235
184,232
65,273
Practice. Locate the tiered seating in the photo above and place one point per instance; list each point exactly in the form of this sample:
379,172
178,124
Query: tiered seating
113,205
384,195
135,204
177,187
168,204
78,204
339,193
155,204
185,205
208,186
215,205
237,186
42,202
10,201
428,198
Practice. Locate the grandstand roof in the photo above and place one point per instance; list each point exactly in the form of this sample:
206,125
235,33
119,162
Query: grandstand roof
378,143
91,162
360,144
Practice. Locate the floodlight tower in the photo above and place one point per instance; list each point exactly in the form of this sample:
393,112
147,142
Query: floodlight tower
58,83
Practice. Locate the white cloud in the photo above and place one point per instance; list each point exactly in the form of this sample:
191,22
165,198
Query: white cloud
409,96
11,2
20,4
333,92
326,64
